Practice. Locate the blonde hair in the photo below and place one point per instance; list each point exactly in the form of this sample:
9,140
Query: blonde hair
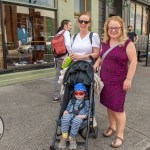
123,36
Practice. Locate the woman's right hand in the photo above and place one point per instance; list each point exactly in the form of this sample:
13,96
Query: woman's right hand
97,65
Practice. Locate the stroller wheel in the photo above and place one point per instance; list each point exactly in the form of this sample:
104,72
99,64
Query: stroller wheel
95,133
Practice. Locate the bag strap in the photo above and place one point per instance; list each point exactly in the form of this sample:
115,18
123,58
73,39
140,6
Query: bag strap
90,36
111,48
61,33
80,107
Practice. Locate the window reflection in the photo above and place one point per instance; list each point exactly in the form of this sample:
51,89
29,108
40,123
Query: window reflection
28,32
138,28
145,21
132,14
139,18
47,3
79,6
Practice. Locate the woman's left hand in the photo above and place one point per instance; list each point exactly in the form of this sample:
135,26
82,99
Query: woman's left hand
127,85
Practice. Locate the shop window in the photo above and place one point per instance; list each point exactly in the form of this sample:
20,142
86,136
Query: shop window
27,32
139,18
113,3
132,14
145,21
46,3
79,6
138,27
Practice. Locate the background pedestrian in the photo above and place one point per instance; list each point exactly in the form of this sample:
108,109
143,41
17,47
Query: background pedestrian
132,35
65,25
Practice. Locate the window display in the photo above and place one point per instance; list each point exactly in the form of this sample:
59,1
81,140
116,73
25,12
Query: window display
50,3
139,18
27,31
132,14
145,21
138,28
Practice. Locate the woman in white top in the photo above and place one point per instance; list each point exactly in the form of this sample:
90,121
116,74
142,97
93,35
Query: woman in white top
81,46
65,25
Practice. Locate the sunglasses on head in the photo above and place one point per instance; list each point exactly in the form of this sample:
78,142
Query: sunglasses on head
79,93
83,21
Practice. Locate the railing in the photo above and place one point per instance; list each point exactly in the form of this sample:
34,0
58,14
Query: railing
143,48
148,52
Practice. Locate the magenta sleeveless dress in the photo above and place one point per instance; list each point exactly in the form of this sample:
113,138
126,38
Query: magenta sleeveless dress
113,73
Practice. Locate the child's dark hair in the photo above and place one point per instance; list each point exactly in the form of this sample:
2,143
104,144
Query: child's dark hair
63,23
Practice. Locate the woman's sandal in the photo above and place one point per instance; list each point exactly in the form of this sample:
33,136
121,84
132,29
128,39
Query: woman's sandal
112,131
114,143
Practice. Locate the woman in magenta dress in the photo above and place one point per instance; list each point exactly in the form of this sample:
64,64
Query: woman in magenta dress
117,71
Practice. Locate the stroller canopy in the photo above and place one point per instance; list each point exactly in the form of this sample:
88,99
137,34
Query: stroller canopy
79,71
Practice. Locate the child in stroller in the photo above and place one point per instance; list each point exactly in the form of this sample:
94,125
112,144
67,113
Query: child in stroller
74,115
78,72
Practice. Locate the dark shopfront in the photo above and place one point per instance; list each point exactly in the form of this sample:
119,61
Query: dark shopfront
133,12
26,29
139,19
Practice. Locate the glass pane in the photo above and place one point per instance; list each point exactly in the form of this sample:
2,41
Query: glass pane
79,6
138,28
132,14
47,3
145,21
26,34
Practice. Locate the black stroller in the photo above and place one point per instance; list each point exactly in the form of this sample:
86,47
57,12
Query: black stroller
79,71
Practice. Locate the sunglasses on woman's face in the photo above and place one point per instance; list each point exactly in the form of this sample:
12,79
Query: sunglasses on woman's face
83,21
79,93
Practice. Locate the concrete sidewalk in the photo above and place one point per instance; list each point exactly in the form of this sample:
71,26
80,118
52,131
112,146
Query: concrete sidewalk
29,115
